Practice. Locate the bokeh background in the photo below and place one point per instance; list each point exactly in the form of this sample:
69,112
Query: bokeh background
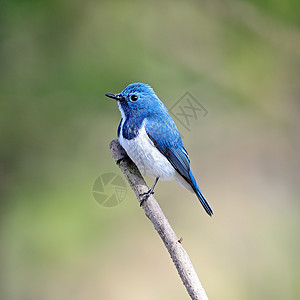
239,59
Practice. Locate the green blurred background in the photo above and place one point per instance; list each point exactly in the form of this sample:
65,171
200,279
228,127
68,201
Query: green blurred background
240,59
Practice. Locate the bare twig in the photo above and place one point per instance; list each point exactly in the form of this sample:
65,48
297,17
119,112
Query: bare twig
153,211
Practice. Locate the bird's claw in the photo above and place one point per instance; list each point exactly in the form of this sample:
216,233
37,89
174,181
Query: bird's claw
120,159
146,196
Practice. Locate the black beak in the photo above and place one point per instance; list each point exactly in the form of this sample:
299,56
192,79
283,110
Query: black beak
115,96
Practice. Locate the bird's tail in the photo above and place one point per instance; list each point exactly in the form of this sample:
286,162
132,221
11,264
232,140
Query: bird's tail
199,195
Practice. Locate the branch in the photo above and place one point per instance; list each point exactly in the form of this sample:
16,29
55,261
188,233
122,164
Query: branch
153,211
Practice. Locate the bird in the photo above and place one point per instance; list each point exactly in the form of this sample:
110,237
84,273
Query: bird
151,139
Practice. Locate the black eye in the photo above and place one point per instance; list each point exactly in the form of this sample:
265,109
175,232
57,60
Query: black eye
134,97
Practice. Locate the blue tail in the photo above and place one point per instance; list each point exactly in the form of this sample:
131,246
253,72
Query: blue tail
199,194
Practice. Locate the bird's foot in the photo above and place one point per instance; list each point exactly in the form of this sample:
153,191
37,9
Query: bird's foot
146,196
149,193
120,159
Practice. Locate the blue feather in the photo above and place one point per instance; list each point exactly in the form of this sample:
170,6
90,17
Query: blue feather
170,145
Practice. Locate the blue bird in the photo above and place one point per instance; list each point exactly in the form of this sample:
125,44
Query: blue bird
151,139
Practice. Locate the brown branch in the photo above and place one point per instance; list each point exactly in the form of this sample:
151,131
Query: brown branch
153,211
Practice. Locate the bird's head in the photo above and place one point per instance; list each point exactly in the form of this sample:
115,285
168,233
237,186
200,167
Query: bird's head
138,99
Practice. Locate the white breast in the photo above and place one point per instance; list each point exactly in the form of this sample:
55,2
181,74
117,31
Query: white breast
146,156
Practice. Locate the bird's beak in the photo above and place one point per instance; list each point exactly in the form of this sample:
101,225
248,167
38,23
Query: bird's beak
117,97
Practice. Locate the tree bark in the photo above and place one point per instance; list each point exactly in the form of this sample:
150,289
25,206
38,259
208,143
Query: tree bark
153,211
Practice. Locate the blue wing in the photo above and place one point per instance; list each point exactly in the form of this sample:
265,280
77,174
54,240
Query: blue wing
165,136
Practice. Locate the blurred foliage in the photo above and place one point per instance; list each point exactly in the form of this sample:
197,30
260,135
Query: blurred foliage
240,59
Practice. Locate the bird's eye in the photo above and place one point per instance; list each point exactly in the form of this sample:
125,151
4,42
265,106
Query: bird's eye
134,97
